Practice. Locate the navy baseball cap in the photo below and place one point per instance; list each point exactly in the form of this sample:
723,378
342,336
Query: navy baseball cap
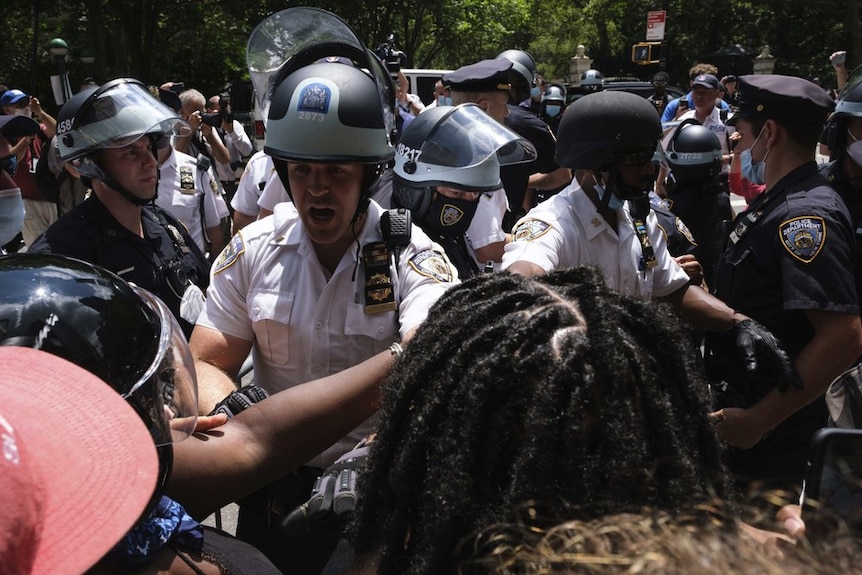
785,99
705,80
483,76
11,97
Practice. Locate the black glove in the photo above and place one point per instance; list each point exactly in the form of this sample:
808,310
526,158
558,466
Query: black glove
333,496
239,400
763,356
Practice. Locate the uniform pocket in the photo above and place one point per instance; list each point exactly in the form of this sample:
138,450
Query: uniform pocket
269,311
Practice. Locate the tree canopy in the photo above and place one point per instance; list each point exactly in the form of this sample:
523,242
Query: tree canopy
203,43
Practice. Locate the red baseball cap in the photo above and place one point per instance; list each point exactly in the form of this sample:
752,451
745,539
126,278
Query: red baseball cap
77,466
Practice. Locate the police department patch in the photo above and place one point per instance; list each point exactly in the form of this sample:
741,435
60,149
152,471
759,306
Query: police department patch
803,237
451,215
229,254
433,265
529,230
683,229
315,98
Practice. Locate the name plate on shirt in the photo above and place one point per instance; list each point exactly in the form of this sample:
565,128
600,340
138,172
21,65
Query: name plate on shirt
379,292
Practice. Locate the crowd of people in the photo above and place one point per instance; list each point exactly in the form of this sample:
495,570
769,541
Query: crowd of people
555,345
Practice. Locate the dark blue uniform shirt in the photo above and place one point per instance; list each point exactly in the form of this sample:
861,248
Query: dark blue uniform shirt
160,262
797,255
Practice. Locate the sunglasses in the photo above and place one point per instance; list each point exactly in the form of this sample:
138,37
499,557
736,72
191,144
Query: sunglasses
635,158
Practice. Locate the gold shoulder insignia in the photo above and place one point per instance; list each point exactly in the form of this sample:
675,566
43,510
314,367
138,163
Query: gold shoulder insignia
683,229
803,237
433,265
529,230
230,254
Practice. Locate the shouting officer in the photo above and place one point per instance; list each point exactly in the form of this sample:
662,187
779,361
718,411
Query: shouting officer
111,136
788,263
329,280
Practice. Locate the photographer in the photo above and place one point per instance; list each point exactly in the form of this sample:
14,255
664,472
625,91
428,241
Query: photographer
235,139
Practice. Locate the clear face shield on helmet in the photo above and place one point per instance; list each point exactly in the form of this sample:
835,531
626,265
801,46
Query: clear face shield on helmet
296,37
166,395
114,116
463,150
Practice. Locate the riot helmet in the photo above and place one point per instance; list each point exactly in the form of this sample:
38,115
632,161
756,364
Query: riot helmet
693,152
121,333
603,131
524,66
592,81
330,97
458,147
553,101
113,115
849,105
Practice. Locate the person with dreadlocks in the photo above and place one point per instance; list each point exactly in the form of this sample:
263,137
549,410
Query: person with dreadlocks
446,159
330,279
111,135
550,389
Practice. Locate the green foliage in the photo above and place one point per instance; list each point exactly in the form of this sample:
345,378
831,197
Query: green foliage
203,42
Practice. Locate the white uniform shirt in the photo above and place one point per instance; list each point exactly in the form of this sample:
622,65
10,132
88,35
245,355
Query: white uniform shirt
258,170
567,231
487,225
273,194
238,146
181,185
268,287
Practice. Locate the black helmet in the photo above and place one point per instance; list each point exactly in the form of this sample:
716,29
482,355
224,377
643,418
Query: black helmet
592,81
849,105
522,64
458,147
113,115
599,126
555,93
693,149
123,334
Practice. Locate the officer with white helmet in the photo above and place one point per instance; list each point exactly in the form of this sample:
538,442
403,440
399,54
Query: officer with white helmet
331,279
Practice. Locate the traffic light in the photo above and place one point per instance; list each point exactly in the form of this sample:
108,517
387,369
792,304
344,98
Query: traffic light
645,53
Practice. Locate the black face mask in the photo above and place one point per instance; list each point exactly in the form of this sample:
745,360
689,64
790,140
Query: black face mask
450,217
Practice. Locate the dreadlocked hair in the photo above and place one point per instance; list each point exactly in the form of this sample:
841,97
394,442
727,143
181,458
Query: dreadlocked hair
546,389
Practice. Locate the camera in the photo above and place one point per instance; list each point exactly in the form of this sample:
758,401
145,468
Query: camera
224,113
391,56
213,120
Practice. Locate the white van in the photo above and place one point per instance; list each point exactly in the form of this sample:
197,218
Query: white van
422,82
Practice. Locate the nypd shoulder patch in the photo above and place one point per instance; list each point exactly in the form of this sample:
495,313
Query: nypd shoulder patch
529,230
230,254
683,229
803,237
434,265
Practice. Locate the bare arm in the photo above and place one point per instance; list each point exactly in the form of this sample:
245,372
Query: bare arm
216,238
273,437
218,358
241,220
836,344
526,269
703,310
551,180
219,150
491,252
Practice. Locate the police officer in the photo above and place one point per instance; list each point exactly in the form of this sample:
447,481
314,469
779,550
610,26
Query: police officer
844,170
446,159
788,263
330,279
552,106
543,174
695,189
607,223
111,135
592,81
11,202
187,190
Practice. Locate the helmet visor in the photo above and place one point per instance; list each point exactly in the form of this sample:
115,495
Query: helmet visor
166,395
124,112
466,138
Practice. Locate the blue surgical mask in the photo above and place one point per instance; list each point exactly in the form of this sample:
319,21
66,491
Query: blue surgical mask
11,214
614,202
535,91
444,100
754,173
553,111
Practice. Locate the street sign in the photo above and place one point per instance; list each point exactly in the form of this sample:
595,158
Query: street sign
655,25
